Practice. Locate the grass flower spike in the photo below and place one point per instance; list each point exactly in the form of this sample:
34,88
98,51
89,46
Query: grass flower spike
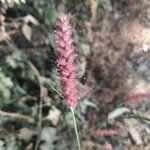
67,66
66,59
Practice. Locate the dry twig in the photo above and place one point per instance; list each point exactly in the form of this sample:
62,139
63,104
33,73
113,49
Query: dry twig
16,116
38,76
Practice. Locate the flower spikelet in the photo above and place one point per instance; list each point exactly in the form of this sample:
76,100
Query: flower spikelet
104,132
138,97
66,59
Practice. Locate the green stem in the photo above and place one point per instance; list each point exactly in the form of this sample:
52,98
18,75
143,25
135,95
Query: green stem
76,130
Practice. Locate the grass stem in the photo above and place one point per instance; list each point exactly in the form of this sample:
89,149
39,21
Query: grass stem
75,127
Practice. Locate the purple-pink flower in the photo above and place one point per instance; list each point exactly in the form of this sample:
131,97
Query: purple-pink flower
66,59
104,132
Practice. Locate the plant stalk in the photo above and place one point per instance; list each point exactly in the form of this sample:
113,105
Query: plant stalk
75,128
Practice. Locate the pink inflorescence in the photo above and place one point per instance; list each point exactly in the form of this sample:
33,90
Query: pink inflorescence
104,132
138,97
66,59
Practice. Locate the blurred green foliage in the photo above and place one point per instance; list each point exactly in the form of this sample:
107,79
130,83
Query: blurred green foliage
6,85
16,60
51,14
101,3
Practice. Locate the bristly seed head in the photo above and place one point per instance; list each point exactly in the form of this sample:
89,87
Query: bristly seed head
66,59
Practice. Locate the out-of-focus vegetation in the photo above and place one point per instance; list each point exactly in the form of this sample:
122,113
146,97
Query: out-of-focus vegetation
112,39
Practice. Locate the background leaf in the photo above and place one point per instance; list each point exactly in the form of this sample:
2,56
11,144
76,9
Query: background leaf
27,31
